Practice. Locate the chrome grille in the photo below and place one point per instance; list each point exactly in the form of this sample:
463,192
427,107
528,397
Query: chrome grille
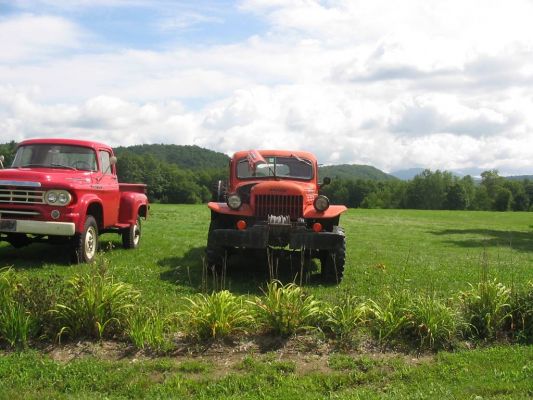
274,204
18,196
18,214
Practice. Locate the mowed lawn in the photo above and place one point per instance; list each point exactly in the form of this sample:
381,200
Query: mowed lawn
437,251
387,250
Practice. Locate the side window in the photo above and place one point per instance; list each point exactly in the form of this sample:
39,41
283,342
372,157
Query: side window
104,163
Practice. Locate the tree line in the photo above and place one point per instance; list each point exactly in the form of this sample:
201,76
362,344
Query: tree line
435,190
187,174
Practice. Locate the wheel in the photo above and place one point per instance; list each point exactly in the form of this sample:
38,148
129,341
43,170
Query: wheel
131,236
85,244
332,262
219,191
214,255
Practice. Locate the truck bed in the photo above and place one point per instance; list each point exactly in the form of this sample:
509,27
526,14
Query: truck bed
132,187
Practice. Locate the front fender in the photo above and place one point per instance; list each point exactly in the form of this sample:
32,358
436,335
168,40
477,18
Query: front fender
83,205
331,212
222,208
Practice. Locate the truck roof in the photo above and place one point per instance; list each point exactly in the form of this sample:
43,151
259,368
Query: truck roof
72,142
282,153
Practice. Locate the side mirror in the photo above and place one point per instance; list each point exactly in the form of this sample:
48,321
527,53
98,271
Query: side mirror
325,181
2,162
113,160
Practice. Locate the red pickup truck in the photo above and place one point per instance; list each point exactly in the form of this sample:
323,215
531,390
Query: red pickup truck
64,190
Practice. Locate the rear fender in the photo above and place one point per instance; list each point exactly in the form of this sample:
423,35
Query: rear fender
132,205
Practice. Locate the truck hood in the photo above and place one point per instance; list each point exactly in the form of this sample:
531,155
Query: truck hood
46,177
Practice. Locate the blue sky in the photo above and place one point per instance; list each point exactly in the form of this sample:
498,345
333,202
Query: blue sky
417,83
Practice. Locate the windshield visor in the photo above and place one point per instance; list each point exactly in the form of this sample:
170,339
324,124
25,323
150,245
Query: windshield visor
280,167
55,156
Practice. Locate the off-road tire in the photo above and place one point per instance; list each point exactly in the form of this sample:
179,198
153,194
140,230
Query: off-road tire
131,237
85,245
332,262
214,255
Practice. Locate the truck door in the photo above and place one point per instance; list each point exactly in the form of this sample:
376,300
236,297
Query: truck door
108,184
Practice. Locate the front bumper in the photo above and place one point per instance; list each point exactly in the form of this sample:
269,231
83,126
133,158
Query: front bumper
37,227
262,236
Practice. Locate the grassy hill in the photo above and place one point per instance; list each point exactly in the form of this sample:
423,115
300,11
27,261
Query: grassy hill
353,172
186,157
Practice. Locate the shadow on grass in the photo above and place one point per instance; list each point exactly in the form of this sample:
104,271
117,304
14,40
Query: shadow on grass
246,271
522,241
36,255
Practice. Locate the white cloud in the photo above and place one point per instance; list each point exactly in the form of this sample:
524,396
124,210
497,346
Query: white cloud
30,38
425,83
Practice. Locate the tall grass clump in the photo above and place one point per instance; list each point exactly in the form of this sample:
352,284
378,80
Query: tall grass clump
388,317
17,325
216,315
345,319
147,328
486,309
287,309
431,323
521,321
94,305
424,320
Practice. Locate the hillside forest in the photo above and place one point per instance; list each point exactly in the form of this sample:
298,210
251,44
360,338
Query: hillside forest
187,174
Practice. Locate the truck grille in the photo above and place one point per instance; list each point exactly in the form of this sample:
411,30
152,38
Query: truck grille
17,196
273,204
18,214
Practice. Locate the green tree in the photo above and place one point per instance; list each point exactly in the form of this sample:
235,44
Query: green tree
502,199
456,197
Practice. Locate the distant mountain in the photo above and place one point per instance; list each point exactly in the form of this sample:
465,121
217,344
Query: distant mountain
186,157
353,172
519,177
410,173
407,174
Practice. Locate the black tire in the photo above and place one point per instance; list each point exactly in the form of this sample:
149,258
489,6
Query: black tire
85,245
332,262
214,255
131,237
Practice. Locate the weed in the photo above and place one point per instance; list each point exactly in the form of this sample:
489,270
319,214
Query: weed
486,309
284,310
431,322
95,306
343,320
521,322
148,328
217,315
16,323
388,318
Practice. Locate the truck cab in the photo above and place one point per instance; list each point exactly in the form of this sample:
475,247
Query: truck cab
67,190
272,200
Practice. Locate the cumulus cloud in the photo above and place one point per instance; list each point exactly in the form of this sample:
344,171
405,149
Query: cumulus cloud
29,37
426,83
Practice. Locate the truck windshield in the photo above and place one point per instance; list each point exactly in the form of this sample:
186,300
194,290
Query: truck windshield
280,167
55,156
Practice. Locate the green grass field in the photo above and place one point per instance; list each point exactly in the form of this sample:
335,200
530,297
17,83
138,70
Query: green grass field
387,250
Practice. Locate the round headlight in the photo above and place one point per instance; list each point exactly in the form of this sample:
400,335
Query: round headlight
58,197
234,201
51,197
63,198
321,203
